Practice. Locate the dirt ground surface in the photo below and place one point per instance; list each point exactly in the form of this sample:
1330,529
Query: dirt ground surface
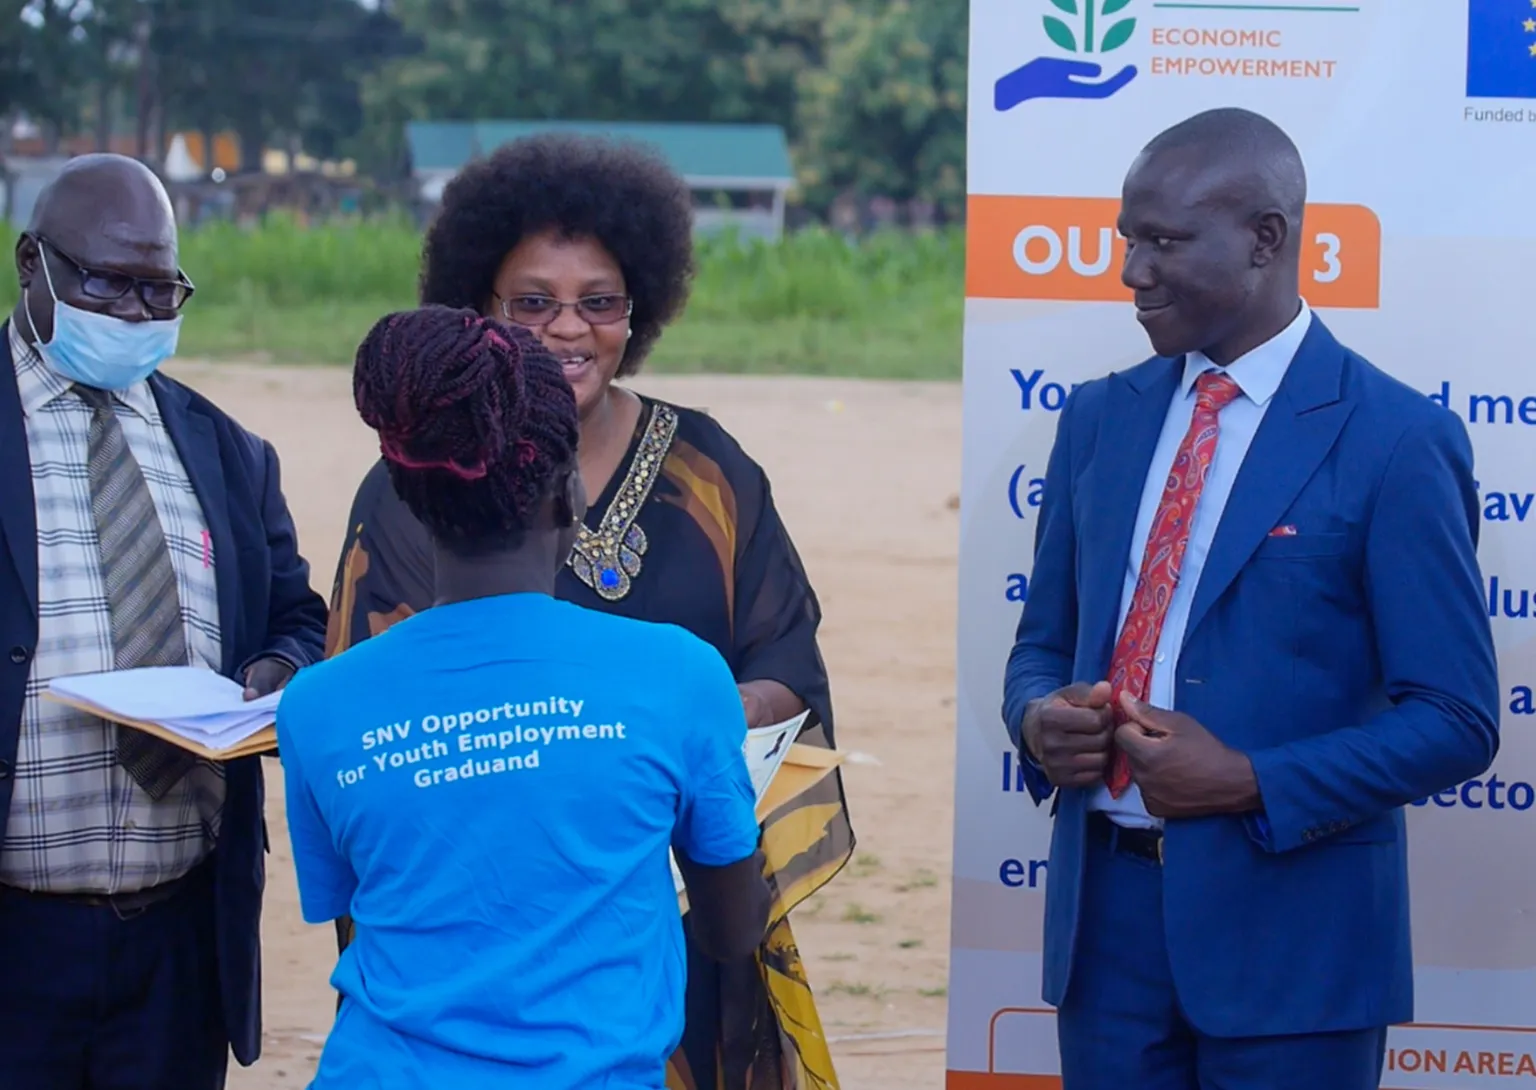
866,476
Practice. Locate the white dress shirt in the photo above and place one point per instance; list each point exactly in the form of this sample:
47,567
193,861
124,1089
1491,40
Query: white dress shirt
78,822
1258,373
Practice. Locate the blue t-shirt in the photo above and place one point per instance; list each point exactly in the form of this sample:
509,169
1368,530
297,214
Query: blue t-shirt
490,789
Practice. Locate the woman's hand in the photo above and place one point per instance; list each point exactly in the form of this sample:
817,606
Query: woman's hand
768,702
758,712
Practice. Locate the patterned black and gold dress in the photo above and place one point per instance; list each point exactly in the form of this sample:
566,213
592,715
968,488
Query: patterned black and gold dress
686,533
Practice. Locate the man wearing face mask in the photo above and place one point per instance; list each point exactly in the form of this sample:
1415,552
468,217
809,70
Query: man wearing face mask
139,526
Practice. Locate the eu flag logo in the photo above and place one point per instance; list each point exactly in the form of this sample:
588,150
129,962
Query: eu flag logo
1501,49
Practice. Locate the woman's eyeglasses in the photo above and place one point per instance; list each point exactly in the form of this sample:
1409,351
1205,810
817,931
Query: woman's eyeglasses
540,310
165,296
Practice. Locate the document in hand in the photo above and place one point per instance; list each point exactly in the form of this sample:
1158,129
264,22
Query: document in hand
766,750
190,706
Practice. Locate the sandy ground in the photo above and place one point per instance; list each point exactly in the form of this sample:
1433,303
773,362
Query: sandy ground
866,476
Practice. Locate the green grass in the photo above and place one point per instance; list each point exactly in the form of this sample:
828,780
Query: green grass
856,913
843,987
923,879
887,306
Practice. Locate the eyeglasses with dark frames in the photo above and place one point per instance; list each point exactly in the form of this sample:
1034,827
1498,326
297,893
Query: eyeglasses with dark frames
539,310
164,296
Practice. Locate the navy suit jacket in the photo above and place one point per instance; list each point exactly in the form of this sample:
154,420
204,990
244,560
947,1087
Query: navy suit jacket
1352,661
266,607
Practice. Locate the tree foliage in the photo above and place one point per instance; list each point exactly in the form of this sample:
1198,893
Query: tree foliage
885,114
870,91
288,69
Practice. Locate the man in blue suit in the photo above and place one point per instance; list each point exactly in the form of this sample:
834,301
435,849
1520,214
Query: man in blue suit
1255,631
139,526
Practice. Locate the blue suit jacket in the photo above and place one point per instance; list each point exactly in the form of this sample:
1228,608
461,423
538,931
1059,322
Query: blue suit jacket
266,607
1353,662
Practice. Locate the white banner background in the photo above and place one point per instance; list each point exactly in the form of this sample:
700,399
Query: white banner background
1375,94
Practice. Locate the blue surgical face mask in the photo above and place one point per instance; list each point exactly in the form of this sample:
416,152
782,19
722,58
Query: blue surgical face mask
101,351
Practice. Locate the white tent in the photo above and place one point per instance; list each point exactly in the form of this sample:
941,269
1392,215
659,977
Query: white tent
179,164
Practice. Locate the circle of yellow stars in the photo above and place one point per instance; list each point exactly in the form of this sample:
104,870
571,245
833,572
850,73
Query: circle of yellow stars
1530,28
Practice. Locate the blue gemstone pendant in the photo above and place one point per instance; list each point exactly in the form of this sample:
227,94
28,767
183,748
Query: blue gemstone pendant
609,558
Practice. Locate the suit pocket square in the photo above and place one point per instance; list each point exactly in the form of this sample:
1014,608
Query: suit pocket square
1286,543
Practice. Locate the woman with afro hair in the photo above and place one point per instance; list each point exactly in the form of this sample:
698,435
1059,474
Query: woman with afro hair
588,244
521,929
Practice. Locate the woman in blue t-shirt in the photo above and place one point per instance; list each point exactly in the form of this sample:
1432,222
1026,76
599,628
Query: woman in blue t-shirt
490,788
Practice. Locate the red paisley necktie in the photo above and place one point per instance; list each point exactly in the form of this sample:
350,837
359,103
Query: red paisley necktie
1131,667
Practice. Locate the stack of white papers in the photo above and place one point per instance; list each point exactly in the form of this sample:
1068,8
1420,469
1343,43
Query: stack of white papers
765,750
192,703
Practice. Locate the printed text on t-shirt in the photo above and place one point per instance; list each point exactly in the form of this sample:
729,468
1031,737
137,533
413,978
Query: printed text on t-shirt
418,745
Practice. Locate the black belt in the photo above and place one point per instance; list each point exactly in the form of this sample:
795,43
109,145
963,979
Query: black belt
124,904
1142,843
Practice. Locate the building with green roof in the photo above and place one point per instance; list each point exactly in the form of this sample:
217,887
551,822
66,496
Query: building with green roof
739,174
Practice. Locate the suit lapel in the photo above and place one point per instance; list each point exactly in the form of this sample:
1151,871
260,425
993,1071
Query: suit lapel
193,435
1133,420
18,505
1295,437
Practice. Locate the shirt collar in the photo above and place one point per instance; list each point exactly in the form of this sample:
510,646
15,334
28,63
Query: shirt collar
40,385
1258,372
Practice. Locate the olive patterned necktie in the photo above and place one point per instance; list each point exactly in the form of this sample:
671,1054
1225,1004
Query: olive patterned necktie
140,584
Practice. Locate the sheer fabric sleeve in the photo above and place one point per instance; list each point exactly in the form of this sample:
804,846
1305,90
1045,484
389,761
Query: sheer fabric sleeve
777,612
385,570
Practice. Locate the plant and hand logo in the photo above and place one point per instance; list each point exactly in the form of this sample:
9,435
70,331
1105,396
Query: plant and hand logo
1081,39
1096,27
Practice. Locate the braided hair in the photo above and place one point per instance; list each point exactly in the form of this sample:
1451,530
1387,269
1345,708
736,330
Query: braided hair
474,418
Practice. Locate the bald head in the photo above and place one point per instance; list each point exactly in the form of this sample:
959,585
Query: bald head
103,214
1237,156
107,195
1211,212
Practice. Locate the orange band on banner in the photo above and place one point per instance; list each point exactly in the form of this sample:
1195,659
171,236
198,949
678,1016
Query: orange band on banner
982,1080
1067,248
1003,1080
